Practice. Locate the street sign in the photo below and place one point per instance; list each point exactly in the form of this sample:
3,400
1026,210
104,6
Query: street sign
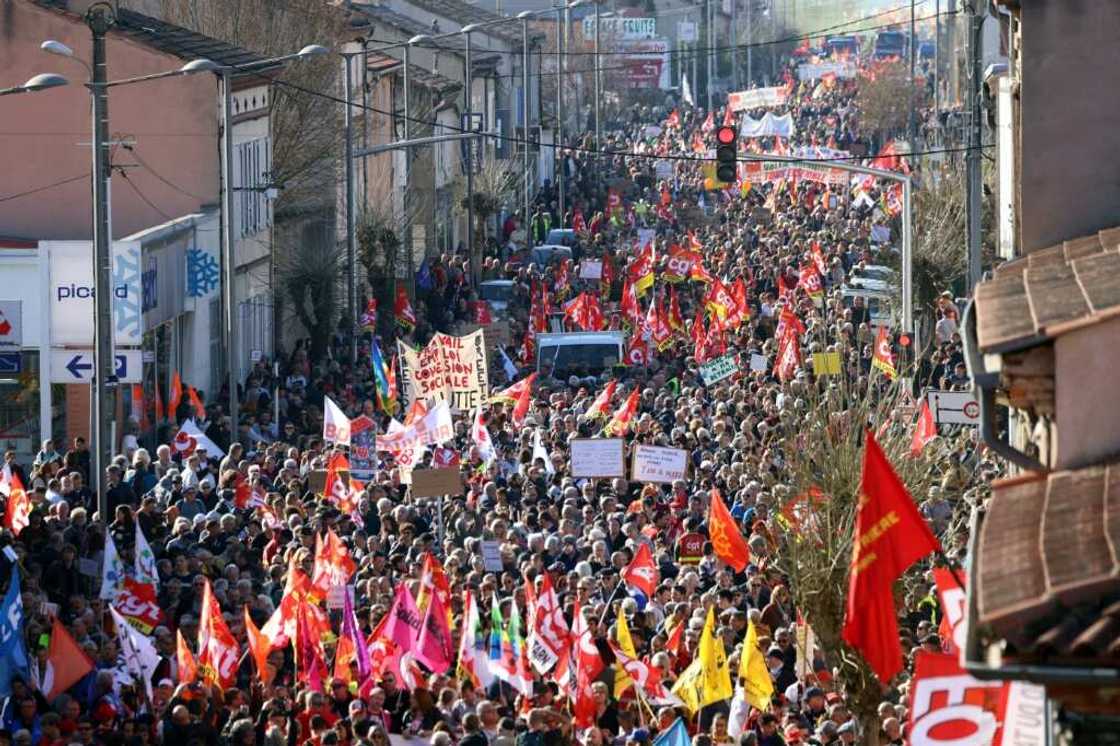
11,363
11,324
687,32
954,407
76,366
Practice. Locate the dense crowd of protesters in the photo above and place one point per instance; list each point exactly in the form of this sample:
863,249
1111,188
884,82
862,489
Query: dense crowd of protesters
578,532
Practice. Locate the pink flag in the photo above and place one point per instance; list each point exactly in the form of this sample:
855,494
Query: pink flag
402,624
434,647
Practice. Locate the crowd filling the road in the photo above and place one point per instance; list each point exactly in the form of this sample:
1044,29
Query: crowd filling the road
241,590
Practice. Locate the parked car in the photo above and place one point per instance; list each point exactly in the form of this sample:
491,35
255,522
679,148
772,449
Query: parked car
877,277
498,293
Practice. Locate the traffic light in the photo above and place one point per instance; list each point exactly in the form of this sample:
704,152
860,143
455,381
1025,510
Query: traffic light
726,155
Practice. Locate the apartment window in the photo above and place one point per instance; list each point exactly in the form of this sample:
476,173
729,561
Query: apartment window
254,164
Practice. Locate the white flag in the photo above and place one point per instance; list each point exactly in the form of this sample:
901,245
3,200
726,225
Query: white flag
6,480
508,366
190,439
740,712
138,654
540,453
686,91
112,570
146,571
336,425
481,437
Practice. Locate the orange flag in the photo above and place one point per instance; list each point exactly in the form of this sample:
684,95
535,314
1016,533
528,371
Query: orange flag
883,358
259,647
218,651
924,431
159,405
188,667
620,421
174,395
890,535
729,544
67,663
196,403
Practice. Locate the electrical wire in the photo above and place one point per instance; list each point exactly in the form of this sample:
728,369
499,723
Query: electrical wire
44,188
143,198
144,164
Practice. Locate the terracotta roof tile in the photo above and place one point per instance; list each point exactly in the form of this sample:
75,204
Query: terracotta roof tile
1011,575
1050,292
1079,564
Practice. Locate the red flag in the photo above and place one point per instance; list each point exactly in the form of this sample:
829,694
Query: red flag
259,647
728,117
642,572
138,402
335,488
521,409
674,120
638,352
675,643
196,403
549,636
586,665
512,394
188,667
883,358
218,651
311,665
619,423
174,395
402,310
333,565
674,318
890,535
953,602
709,124
924,431
728,542
18,513
528,348
67,662
601,407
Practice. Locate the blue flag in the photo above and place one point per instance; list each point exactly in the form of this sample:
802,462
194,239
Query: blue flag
13,653
424,276
676,735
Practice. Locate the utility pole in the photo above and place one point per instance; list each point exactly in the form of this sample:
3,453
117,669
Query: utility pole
598,93
912,129
526,170
711,48
734,44
558,135
351,222
100,19
229,312
937,58
476,271
750,45
975,133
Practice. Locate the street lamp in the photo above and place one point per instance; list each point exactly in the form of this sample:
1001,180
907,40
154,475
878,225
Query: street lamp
40,82
524,17
226,73
468,78
100,17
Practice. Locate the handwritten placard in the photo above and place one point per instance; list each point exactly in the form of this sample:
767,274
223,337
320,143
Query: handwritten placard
658,464
716,370
597,457
492,556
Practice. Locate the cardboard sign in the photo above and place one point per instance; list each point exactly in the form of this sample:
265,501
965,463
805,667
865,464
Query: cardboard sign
714,371
658,464
317,480
759,363
451,369
363,452
598,457
591,269
436,482
826,363
492,556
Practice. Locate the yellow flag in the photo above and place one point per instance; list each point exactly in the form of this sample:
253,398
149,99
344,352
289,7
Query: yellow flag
622,680
757,685
708,678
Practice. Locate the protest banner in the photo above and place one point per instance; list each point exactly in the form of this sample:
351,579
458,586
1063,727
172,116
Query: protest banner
363,458
591,269
436,482
769,125
815,70
658,464
757,98
598,457
434,427
451,369
714,371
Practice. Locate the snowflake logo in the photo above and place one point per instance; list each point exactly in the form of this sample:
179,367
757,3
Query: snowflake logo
202,273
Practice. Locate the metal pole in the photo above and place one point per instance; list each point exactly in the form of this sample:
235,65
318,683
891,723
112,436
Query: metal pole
227,248
711,49
469,91
937,57
100,19
351,218
974,135
598,93
750,46
558,136
912,129
526,185
734,44
908,261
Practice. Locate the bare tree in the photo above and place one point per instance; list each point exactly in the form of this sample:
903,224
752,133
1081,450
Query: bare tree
825,453
496,182
884,98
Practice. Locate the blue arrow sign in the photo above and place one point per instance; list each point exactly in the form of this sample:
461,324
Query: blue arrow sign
10,362
76,366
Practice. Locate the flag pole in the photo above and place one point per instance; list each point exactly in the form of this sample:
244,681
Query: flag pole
952,570
607,608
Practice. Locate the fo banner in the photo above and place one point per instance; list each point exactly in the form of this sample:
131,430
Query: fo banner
451,369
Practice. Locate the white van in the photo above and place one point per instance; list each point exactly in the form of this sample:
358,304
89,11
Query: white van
580,353
880,305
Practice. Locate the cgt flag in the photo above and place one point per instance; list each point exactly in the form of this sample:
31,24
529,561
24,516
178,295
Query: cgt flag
726,539
890,535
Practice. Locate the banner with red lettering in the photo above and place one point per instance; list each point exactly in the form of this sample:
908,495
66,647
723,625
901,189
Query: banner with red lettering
451,369
948,706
